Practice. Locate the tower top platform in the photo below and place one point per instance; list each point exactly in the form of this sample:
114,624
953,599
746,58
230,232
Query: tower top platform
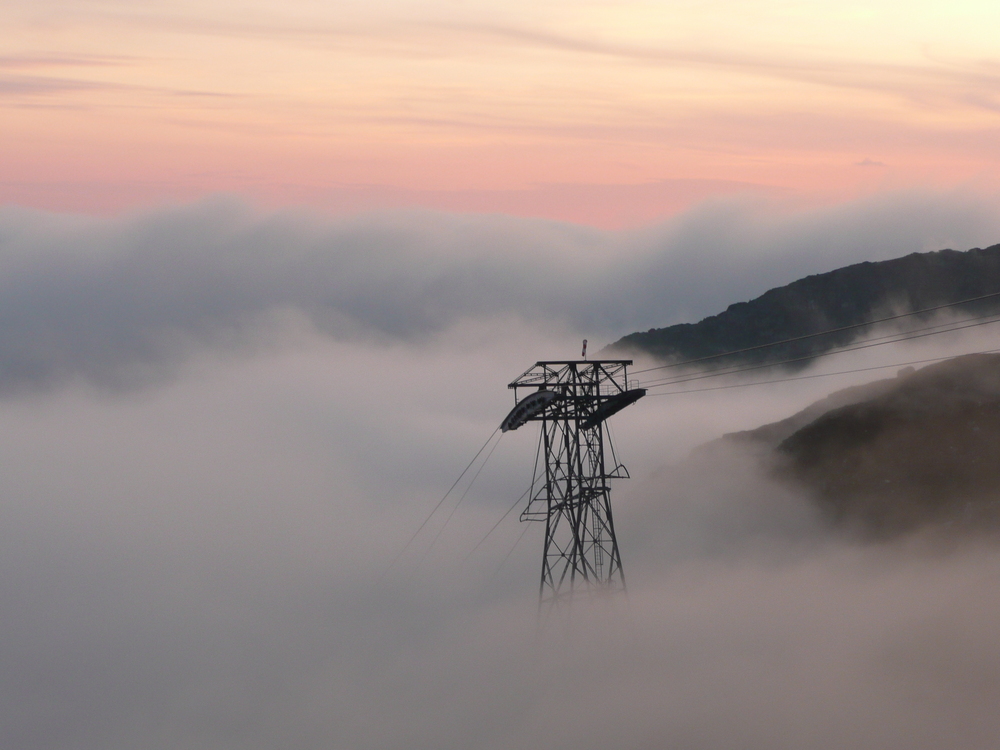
579,371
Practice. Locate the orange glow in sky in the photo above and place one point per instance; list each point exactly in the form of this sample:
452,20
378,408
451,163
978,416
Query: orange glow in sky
600,112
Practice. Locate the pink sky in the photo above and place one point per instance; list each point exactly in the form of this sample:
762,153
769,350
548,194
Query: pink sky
606,113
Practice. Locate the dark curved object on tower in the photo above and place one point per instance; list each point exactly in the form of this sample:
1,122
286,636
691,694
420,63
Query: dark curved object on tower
612,406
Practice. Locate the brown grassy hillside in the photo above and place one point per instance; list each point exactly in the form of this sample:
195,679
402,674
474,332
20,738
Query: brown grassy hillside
927,449
919,449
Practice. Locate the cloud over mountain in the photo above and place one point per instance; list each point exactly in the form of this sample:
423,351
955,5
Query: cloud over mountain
120,301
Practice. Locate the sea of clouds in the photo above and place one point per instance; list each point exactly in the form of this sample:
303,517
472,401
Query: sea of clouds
219,427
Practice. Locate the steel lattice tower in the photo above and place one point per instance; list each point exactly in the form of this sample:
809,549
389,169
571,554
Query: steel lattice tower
572,400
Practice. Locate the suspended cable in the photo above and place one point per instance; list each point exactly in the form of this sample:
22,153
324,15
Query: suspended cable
898,335
818,333
748,368
434,510
493,528
534,479
507,556
506,513
817,375
895,338
446,520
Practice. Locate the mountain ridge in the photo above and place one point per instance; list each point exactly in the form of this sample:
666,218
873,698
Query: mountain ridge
846,296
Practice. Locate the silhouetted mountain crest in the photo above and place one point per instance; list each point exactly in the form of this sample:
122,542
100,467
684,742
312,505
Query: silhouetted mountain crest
844,297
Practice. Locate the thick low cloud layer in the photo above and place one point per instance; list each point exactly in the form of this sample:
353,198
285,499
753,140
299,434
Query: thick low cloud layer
123,301
202,563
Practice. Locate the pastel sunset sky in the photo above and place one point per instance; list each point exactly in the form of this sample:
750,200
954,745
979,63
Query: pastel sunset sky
606,113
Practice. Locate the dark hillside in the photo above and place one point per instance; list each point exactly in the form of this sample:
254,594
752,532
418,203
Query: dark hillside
844,297
888,457
921,448
771,435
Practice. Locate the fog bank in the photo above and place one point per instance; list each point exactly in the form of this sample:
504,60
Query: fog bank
122,302
218,429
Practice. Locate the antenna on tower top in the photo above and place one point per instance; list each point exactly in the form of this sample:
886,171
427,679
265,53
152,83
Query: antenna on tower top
584,352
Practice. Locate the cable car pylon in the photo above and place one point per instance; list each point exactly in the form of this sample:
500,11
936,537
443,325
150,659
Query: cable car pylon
572,399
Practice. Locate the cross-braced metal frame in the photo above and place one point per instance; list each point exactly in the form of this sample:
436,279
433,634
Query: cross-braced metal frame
581,551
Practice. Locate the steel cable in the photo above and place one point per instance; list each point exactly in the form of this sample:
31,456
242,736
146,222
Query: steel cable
818,333
735,370
435,509
817,375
